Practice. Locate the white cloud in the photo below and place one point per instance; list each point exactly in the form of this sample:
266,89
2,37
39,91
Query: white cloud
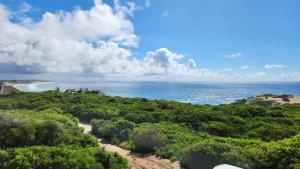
72,42
290,76
234,55
20,14
96,41
128,9
246,67
69,41
163,61
271,66
261,74
192,63
165,13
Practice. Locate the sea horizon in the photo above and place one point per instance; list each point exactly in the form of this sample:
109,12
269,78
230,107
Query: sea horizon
212,93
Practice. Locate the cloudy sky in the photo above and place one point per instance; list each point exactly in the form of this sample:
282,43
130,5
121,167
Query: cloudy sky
172,40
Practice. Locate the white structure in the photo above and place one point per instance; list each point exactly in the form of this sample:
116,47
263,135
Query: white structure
226,166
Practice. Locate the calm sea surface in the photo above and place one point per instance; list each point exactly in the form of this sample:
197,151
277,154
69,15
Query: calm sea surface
196,93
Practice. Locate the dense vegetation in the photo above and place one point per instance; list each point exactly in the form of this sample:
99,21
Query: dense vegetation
21,128
43,157
48,139
249,133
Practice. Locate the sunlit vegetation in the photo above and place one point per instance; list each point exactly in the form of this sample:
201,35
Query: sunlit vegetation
21,128
49,139
61,157
250,133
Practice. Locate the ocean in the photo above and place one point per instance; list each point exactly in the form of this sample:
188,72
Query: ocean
195,93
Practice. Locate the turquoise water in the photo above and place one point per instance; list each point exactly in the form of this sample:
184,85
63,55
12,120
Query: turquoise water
196,93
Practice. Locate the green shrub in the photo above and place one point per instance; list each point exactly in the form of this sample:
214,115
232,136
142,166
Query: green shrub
49,133
249,130
24,128
41,157
119,130
283,154
147,139
218,128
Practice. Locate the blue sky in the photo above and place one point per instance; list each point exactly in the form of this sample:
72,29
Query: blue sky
225,38
262,31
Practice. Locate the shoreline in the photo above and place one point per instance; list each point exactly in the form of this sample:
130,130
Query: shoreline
21,86
40,86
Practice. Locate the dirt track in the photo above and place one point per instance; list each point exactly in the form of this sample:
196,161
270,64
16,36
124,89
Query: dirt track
293,100
134,160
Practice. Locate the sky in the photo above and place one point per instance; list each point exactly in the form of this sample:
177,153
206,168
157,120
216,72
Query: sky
150,40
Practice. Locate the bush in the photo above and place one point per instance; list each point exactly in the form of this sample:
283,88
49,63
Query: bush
284,154
119,130
204,155
163,127
16,132
49,133
42,157
23,128
218,128
147,139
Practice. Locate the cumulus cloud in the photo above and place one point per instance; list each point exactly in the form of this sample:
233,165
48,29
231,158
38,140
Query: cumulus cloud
69,41
192,63
234,55
65,42
271,66
94,41
163,61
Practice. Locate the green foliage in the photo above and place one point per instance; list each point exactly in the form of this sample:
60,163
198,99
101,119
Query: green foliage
223,120
49,133
119,130
65,145
250,133
26,128
147,139
205,155
41,157
280,155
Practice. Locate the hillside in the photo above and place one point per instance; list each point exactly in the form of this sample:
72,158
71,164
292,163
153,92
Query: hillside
247,134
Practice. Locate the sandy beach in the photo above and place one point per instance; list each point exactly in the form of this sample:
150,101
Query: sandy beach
32,86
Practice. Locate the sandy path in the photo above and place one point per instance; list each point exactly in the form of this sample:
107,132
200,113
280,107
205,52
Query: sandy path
293,100
135,161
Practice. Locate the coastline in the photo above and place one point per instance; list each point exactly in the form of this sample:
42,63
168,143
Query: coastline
22,86
185,93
